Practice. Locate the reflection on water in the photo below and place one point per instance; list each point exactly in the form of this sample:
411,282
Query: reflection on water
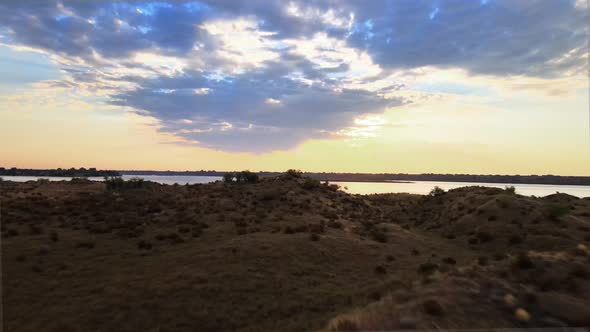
416,187
424,187
172,179
164,179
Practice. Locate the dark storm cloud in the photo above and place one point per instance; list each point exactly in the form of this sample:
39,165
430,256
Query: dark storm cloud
270,107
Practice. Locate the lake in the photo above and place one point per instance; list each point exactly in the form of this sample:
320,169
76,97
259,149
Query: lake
424,187
415,187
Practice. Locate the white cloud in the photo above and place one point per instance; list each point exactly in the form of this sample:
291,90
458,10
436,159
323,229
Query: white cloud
224,126
581,4
272,101
327,52
242,43
201,91
328,17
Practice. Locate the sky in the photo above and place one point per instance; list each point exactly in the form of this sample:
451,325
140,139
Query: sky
413,86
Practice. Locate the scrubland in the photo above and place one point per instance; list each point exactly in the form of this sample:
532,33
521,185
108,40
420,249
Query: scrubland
288,253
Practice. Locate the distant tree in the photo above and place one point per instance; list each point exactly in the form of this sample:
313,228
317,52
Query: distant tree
229,177
113,182
248,177
294,173
510,189
334,187
436,191
241,177
117,183
311,184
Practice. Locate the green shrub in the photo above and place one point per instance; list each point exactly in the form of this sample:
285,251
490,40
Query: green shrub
449,260
334,224
378,235
334,187
427,268
113,182
523,261
144,245
197,231
556,211
229,177
247,177
380,269
515,239
294,173
240,177
316,228
78,179
346,325
85,244
436,191
484,236
117,183
433,307
35,229
269,194
310,184
482,260
510,189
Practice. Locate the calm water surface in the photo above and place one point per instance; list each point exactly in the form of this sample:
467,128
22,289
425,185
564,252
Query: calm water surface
164,179
424,187
416,187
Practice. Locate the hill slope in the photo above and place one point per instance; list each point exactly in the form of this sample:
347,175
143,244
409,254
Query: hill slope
288,254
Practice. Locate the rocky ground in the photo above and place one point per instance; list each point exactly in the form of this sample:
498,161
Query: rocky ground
288,254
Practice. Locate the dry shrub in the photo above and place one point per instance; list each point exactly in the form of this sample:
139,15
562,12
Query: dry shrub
378,235
378,316
85,244
144,245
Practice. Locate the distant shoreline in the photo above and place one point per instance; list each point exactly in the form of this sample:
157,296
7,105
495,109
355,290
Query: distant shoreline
332,177
401,177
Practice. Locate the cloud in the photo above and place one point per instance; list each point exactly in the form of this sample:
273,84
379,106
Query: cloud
261,75
257,111
496,37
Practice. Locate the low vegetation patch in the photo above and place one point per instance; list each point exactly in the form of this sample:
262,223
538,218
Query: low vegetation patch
556,211
310,184
294,174
241,177
436,192
118,183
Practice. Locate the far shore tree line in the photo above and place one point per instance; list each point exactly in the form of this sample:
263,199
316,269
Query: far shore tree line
58,172
247,176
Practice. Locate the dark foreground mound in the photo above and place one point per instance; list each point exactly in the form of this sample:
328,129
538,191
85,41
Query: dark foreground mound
288,254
